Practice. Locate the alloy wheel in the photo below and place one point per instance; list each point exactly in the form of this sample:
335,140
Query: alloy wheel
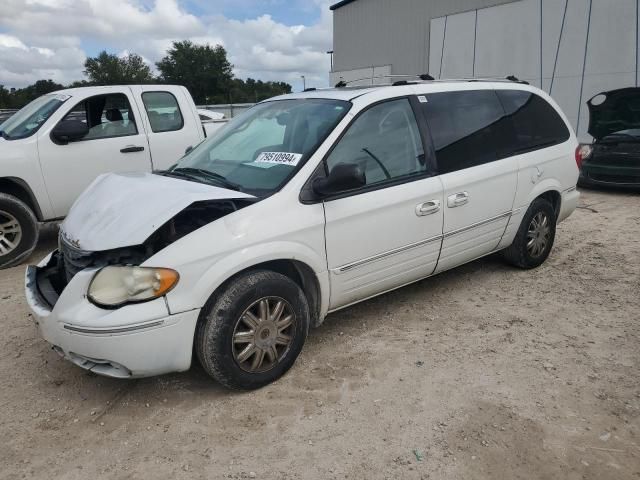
263,334
10,233
538,234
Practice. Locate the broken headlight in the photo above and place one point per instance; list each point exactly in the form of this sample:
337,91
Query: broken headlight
116,286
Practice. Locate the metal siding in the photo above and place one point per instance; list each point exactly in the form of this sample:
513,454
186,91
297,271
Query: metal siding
532,39
385,32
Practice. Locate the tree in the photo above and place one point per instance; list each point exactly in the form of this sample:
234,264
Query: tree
18,98
203,69
253,91
109,69
5,97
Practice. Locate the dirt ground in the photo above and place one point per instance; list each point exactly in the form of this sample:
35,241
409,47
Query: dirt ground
483,372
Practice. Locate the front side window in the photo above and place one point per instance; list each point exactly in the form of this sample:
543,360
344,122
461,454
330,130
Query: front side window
384,141
163,111
30,118
468,128
106,116
259,150
536,123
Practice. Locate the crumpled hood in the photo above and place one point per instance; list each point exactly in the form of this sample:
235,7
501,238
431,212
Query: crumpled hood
618,110
124,209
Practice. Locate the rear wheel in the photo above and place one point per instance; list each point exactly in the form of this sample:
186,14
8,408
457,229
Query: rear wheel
18,231
251,333
535,237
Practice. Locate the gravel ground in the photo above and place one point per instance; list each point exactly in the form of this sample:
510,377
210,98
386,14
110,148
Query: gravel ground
481,372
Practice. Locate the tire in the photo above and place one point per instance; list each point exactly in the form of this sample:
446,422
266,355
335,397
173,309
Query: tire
522,253
18,231
234,320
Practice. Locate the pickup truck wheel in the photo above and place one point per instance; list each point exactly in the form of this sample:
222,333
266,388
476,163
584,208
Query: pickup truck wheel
18,231
535,237
251,333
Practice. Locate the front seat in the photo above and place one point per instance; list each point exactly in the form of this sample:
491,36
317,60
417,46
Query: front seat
116,125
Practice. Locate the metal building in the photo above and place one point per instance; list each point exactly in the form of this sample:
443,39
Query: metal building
573,49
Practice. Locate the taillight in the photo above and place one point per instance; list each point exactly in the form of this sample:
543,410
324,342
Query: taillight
582,153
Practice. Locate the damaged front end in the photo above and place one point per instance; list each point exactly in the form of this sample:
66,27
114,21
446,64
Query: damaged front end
104,230
68,259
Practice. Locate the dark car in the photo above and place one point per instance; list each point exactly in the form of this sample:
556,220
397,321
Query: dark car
5,115
613,159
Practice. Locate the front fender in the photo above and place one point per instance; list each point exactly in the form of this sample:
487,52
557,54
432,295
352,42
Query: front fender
199,280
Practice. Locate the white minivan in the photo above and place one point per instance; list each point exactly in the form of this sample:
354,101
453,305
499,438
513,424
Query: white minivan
305,204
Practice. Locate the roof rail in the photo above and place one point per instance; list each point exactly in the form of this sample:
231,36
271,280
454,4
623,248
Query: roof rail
425,77
343,83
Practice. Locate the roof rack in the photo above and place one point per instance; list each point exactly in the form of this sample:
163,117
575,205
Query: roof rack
425,77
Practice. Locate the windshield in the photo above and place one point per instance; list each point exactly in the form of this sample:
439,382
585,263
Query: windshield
30,118
258,151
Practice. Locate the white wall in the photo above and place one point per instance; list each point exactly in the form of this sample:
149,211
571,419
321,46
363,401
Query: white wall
527,39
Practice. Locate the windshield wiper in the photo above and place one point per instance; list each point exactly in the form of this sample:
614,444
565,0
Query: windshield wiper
207,175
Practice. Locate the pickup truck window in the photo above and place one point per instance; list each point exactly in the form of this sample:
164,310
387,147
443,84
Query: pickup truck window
258,151
30,118
106,116
163,111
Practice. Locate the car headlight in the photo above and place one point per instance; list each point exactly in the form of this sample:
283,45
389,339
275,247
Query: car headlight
115,286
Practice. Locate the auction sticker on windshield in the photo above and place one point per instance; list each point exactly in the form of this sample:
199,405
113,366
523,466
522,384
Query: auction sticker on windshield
283,158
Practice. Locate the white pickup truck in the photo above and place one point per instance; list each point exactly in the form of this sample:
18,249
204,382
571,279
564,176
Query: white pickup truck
54,147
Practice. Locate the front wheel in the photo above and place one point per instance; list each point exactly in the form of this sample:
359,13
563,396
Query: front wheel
251,333
535,237
18,231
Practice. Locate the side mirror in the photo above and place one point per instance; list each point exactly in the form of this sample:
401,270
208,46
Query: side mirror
188,149
343,177
69,131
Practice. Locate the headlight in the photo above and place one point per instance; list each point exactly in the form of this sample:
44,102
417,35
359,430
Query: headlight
115,286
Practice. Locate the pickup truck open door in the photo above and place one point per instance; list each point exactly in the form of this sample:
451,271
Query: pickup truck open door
116,142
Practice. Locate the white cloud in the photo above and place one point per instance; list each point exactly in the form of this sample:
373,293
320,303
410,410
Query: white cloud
46,38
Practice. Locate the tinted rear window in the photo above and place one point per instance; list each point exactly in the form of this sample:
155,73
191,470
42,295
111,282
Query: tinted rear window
468,128
536,123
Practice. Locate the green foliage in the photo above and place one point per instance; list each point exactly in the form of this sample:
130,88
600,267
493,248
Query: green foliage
17,98
207,74
252,91
203,69
109,69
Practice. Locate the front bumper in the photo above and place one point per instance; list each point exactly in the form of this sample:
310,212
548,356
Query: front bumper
599,174
138,340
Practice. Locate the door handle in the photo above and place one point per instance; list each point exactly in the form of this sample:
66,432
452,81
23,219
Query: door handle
427,208
131,149
457,199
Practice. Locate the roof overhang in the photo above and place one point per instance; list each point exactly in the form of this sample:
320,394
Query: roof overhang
336,6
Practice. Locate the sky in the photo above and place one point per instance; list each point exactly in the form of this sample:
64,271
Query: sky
276,40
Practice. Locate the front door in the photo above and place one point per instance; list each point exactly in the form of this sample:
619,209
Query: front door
116,142
471,135
389,232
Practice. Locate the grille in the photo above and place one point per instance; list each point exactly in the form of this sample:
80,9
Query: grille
73,259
